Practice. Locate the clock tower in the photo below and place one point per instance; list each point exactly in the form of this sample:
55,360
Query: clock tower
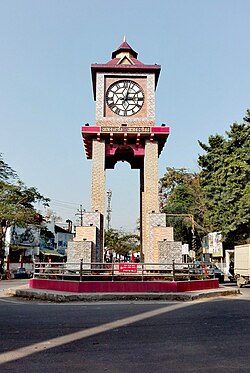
125,130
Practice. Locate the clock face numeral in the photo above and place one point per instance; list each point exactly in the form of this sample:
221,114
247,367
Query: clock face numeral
126,83
125,97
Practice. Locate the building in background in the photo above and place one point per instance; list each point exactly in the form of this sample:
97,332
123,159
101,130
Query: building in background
45,242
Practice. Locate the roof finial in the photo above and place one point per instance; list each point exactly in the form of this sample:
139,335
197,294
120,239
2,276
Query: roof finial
124,38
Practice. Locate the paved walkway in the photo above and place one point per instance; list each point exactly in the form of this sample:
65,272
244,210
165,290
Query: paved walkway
59,296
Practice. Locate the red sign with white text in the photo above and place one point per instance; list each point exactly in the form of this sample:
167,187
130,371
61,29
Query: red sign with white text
128,267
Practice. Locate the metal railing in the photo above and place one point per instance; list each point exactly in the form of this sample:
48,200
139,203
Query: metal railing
115,271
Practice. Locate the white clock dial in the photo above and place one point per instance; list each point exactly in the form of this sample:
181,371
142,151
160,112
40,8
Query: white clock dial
125,97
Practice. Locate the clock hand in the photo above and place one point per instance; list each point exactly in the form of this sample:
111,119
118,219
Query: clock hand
127,92
125,97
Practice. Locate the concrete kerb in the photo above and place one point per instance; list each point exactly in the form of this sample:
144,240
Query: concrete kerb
59,297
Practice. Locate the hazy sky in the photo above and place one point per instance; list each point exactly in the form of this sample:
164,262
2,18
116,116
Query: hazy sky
47,47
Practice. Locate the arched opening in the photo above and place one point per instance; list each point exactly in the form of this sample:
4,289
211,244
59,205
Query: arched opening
124,153
124,182
128,153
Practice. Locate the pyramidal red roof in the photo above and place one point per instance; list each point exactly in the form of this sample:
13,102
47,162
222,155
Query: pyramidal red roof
124,47
116,61
124,59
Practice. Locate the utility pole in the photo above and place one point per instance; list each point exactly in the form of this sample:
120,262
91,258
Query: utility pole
80,213
109,210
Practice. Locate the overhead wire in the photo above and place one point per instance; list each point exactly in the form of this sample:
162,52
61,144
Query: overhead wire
64,204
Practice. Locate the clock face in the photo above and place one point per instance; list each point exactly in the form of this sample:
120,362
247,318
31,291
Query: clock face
125,97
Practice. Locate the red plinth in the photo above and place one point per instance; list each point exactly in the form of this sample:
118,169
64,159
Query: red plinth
123,286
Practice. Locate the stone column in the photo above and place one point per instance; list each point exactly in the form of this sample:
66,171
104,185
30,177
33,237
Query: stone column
149,197
98,177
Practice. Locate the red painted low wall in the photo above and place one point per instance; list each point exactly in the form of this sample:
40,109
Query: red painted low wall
123,286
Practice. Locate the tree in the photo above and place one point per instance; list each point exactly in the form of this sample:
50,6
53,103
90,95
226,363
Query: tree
16,202
50,215
121,243
181,194
6,172
225,180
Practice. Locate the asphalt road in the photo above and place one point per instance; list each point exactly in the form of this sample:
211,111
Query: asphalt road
7,284
139,337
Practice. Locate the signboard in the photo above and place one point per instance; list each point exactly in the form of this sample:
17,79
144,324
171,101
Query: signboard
128,267
215,244
126,129
28,236
185,249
